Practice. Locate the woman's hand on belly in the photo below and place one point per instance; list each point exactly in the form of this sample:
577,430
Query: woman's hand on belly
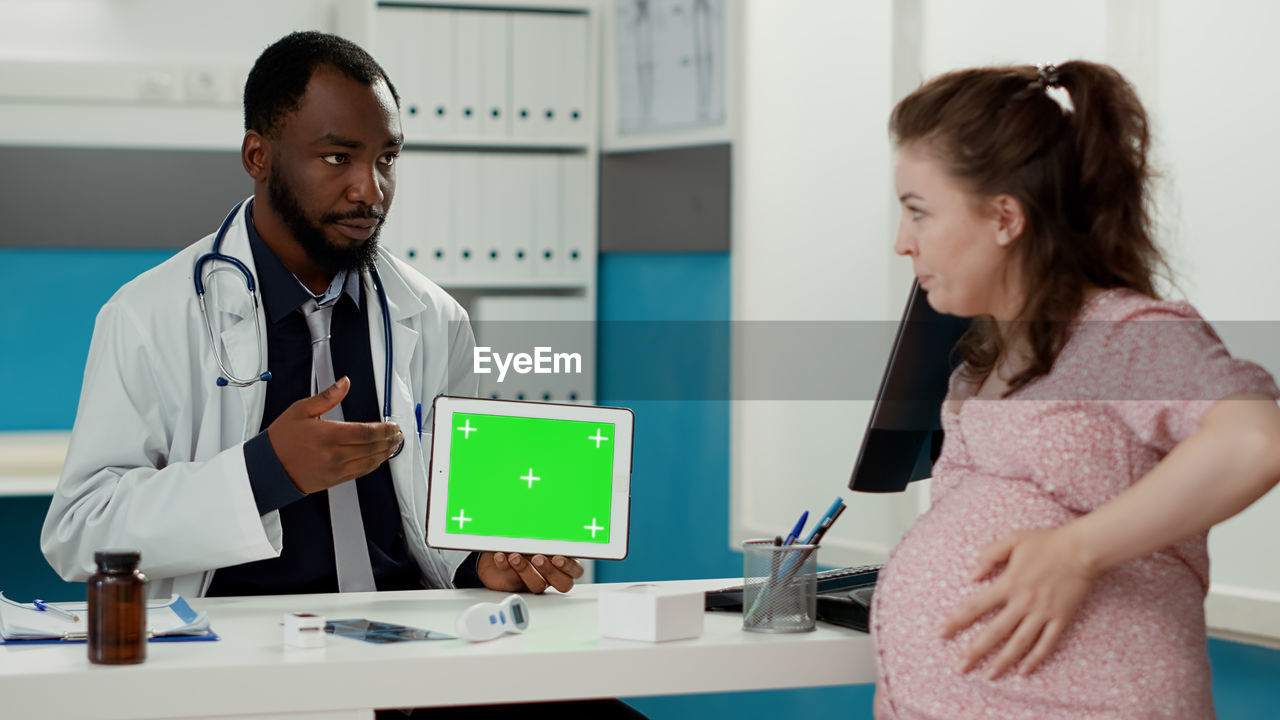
1037,594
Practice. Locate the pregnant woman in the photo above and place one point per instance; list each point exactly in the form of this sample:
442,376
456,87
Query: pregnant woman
1094,432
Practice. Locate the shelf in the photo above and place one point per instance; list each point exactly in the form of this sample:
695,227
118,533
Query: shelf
550,286
565,6
27,485
30,462
33,453
499,143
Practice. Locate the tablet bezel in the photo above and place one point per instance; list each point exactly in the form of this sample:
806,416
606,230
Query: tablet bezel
443,409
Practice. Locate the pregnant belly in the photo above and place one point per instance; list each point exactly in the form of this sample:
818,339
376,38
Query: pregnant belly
930,571
1144,614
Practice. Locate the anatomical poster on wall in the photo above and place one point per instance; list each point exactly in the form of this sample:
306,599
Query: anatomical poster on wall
671,64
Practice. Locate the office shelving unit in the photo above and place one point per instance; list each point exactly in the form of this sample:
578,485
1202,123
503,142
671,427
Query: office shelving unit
497,185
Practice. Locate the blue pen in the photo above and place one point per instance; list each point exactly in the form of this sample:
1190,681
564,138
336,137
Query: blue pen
815,535
826,520
417,413
795,531
46,607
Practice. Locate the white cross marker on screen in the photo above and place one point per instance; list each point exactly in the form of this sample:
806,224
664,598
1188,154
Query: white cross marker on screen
467,429
463,519
593,527
598,437
530,477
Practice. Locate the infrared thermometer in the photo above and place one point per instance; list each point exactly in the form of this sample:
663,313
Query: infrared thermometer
486,621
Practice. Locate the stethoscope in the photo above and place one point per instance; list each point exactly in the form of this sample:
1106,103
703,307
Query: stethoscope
227,378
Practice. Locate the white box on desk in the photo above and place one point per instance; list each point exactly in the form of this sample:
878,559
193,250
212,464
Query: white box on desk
651,613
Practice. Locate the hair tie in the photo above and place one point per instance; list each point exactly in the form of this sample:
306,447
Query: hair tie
1049,76
1052,86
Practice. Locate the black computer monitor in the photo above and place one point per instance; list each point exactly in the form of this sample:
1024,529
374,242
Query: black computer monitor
904,435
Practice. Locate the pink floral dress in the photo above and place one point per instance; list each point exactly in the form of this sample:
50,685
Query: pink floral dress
1132,383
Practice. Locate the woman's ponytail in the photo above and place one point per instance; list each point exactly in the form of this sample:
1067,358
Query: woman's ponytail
1112,139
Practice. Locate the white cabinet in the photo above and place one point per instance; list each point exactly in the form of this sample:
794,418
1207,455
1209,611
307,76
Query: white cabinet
480,75
497,184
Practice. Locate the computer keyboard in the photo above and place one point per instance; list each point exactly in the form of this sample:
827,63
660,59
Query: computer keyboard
829,581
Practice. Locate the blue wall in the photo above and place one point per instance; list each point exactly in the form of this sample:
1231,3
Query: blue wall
680,484
52,298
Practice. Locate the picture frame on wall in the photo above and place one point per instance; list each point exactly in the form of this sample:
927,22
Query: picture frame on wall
670,70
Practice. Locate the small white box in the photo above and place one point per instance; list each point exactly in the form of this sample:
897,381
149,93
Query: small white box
651,612
303,630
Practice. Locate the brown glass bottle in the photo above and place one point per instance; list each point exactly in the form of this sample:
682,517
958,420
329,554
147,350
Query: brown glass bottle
117,609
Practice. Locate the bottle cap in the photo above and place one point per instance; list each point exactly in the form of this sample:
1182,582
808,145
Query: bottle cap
117,560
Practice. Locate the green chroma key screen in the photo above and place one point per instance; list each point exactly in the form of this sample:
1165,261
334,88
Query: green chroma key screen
530,478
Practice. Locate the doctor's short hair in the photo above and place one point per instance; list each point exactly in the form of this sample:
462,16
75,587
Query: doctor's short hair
280,75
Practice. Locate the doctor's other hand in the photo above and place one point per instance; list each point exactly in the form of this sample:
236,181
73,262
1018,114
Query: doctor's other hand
318,454
513,572
1034,597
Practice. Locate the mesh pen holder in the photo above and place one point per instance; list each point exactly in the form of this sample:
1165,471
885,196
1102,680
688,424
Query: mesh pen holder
779,587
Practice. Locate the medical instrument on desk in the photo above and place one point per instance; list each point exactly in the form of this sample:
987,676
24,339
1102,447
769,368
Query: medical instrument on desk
303,630
486,621
55,610
263,375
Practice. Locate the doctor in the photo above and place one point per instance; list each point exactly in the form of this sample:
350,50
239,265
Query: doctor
223,488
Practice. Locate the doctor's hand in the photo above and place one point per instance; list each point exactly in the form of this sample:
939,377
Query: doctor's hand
1034,598
319,454
513,572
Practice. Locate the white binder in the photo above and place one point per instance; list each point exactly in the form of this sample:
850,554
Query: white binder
544,226
436,257
517,263
466,215
493,205
400,52
435,43
571,118
578,258
535,60
504,213
402,234
468,77
495,63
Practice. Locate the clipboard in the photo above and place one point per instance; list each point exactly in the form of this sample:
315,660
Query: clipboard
172,620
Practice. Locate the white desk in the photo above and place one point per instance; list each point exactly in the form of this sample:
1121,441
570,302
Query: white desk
249,673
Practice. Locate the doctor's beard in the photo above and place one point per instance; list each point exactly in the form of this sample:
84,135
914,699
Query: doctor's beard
310,235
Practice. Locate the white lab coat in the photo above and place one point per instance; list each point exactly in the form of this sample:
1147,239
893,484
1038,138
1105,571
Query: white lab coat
156,461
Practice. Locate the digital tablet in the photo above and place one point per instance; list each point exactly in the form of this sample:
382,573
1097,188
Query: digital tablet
530,477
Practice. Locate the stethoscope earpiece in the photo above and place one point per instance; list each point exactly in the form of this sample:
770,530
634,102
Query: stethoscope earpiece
222,382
